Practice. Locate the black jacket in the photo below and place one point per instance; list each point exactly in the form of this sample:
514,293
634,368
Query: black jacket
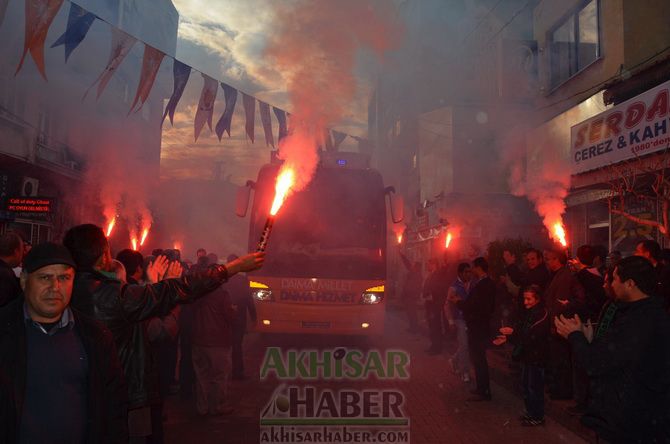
629,371
479,306
9,284
594,295
531,336
107,394
122,308
537,276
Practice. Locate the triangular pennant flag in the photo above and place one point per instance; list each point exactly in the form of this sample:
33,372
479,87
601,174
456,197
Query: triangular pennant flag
3,9
264,109
151,61
206,105
122,43
181,73
338,138
79,21
281,119
226,119
39,15
328,141
250,112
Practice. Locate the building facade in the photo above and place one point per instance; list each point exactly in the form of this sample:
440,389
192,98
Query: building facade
600,63
50,136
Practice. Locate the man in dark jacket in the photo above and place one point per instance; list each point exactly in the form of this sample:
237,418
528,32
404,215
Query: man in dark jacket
537,273
11,255
627,359
563,296
60,376
589,277
243,304
123,308
435,290
651,250
477,310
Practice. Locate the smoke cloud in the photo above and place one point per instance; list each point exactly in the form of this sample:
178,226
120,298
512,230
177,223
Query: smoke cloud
315,45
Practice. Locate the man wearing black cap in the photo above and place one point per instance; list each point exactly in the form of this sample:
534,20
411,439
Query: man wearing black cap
60,376
124,308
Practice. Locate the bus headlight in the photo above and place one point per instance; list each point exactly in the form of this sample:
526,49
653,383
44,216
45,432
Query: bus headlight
263,295
371,298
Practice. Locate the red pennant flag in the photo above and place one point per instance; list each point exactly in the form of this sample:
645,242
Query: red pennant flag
206,105
150,63
39,15
122,43
249,110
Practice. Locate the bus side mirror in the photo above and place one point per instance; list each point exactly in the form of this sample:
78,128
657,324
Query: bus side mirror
397,205
242,198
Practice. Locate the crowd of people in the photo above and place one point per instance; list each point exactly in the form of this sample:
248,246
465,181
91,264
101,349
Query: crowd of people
594,329
89,344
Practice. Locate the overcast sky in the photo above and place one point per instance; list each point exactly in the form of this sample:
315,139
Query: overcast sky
227,42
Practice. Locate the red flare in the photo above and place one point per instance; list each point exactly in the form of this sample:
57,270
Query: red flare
285,181
559,234
145,233
110,226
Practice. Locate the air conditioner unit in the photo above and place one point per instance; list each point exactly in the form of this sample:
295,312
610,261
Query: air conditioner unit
29,187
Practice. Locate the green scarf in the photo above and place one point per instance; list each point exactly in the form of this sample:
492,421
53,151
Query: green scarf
606,320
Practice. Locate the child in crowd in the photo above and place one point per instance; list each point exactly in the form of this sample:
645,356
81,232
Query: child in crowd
530,339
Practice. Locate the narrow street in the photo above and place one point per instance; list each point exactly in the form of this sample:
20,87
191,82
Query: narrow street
435,398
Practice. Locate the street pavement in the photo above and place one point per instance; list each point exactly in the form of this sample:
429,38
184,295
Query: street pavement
435,399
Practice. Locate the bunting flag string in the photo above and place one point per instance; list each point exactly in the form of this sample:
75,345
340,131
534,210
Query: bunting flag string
79,21
151,62
338,138
264,109
249,110
206,105
122,43
328,141
39,16
181,72
281,120
230,94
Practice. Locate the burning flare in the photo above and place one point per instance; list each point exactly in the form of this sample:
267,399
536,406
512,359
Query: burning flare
145,233
285,181
110,226
133,241
448,241
559,234
399,235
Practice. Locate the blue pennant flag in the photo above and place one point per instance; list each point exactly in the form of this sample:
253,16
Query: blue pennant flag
181,73
281,118
226,119
78,23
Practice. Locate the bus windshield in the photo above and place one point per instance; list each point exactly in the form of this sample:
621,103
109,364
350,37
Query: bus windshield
335,228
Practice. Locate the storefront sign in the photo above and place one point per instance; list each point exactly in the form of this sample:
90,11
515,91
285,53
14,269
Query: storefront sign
30,206
636,127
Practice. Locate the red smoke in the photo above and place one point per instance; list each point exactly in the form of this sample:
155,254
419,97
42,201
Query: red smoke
315,45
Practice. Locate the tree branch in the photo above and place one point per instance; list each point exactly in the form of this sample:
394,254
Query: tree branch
650,223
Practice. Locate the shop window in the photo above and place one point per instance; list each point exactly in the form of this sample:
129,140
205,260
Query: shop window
574,43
